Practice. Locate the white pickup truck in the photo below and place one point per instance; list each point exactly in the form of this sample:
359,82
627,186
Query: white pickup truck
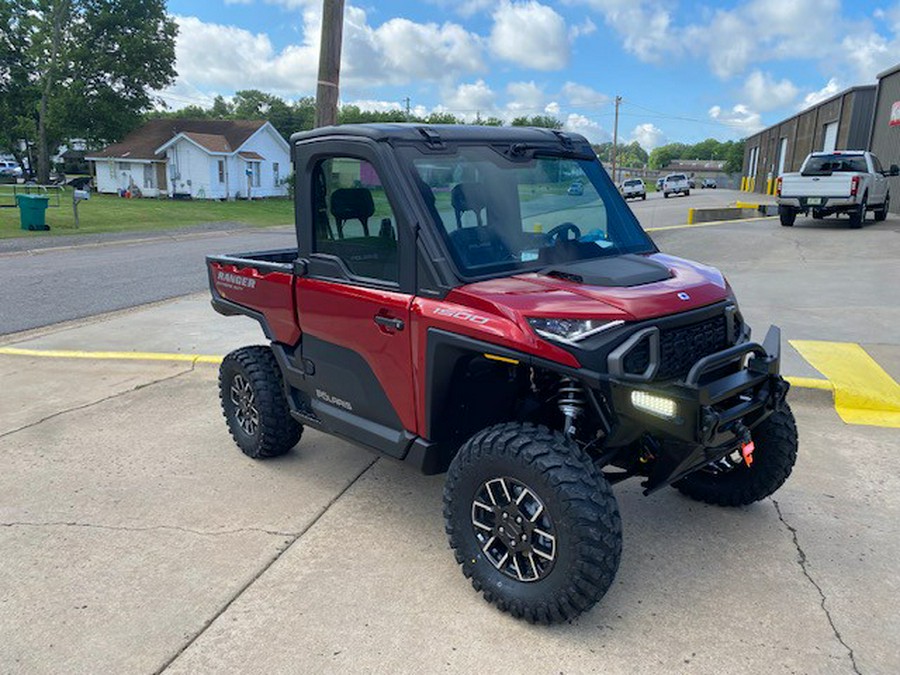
850,182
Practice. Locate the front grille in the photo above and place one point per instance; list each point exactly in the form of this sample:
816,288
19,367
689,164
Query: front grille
679,348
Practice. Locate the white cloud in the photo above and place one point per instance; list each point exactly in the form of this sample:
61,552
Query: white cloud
588,128
871,53
764,93
739,118
648,136
645,26
586,27
525,98
552,108
530,34
826,92
470,99
581,95
212,56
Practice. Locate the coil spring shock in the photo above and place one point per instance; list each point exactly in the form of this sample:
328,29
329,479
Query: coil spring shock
571,401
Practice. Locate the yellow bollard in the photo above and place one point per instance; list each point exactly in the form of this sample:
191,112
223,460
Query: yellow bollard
690,216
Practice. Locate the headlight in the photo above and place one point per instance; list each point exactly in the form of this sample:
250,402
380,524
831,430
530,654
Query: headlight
571,330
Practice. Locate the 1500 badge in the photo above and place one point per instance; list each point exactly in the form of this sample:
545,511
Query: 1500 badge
462,315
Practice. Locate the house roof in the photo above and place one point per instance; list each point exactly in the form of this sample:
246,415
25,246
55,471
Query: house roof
249,154
143,142
212,142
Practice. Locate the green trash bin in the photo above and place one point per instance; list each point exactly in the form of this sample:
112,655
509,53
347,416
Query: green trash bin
32,211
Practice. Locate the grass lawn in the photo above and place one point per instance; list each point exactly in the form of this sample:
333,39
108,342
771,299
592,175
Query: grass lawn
109,213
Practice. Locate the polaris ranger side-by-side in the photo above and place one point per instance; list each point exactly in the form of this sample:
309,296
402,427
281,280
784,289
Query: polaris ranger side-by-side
451,304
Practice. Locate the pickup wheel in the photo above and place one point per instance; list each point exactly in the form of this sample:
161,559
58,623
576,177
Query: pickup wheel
882,211
775,439
533,523
858,215
787,216
254,403
687,193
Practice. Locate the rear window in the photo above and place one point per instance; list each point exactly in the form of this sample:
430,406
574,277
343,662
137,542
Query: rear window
676,176
632,183
826,164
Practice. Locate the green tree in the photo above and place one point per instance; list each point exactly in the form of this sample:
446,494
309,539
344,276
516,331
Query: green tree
18,96
92,65
545,121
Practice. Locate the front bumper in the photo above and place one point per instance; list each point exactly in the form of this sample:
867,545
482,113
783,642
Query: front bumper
723,396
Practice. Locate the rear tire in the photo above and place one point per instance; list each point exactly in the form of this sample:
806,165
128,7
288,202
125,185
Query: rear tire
545,485
773,460
687,193
787,216
254,403
882,211
858,215
665,195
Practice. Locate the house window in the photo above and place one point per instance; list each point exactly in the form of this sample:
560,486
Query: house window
221,170
149,177
124,166
256,169
276,175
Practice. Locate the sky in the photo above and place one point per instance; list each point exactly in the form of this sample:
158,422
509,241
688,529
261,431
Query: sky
685,70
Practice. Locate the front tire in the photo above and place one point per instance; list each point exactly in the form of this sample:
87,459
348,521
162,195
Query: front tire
255,405
533,523
775,439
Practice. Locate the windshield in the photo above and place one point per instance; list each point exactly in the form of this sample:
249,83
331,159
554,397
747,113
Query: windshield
826,164
499,215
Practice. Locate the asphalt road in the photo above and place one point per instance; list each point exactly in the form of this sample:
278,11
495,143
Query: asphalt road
44,286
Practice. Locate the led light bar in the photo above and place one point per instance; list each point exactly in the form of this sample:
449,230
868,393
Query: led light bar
659,406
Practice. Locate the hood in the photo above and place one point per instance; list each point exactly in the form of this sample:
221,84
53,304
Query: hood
564,291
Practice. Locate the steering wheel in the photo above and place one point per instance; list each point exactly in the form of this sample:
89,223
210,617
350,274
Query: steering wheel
561,232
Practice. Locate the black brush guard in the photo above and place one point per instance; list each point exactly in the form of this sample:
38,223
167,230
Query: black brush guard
717,404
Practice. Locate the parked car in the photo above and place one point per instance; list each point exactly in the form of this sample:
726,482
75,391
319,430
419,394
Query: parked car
692,184
659,184
709,183
851,182
536,368
10,168
676,183
576,189
633,188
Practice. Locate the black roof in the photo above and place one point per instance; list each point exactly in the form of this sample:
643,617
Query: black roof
449,133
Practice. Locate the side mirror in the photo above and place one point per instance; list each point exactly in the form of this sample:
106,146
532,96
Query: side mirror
895,170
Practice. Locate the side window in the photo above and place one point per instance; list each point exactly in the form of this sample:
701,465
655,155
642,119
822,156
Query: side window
353,218
876,164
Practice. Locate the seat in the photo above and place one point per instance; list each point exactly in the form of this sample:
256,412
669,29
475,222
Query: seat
468,197
478,246
352,204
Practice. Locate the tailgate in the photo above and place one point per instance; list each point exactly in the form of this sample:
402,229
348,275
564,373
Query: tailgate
835,185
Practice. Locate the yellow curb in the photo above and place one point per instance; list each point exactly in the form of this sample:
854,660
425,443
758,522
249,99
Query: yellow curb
111,356
863,392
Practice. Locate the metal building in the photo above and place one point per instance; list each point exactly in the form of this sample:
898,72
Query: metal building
842,122
885,137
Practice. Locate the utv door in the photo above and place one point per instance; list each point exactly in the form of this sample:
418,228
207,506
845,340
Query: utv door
353,302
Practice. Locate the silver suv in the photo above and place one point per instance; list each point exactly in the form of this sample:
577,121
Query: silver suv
676,183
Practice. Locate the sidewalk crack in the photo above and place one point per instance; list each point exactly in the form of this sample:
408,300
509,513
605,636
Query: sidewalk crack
802,560
84,406
150,528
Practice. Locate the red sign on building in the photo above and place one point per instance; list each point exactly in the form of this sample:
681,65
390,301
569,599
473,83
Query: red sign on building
895,114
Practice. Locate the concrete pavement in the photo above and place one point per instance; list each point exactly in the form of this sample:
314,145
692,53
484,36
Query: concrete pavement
135,537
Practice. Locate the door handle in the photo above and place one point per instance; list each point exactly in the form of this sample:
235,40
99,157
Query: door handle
390,322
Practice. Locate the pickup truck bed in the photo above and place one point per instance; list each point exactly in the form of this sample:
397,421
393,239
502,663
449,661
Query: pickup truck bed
258,284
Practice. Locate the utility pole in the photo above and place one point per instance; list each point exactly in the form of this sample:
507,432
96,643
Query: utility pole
615,146
407,108
327,89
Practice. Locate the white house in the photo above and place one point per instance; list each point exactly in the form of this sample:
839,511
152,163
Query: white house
201,159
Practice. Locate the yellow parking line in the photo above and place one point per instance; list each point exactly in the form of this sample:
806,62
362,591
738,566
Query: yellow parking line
810,383
863,392
111,356
709,224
